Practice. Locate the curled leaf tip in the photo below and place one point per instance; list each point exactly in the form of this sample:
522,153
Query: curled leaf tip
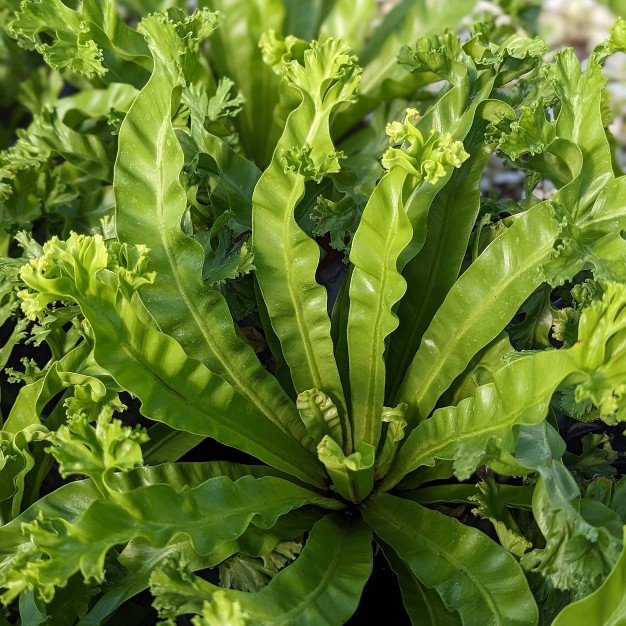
425,159
352,475
221,611
319,414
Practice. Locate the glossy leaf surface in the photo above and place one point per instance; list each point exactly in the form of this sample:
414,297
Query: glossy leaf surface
471,573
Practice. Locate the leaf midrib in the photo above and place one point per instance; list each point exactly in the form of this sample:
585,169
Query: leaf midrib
317,591
469,324
436,549
248,391
373,378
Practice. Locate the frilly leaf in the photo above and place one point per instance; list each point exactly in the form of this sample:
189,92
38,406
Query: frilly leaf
516,47
578,247
283,553
223,104
130,264
93,401
70,265
565,326
97,452
277,51
447,58
594,462
615,43
492,507
604,606
244,573
328,74
335,563
228,265
571,406
299,160
601,327
16,460
179,34
71,46
338,219
532,133
221,612
252,573
608,396
210,516
441,54
577,555
423,159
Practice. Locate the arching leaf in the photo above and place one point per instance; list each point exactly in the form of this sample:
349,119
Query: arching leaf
472,574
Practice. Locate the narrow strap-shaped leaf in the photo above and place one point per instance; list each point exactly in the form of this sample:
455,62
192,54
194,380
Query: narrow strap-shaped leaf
515,270
520,394
476,309
209,515
463,111
383,77
140,559
97,103
172,387
322,587
71,500
481,426
432,272
339,335
424,606
516,496
285,257
150,203
351,21
185,395
375,287
282,373
442,214
472,574
167,444
607,213
235,53
303,17
604,607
